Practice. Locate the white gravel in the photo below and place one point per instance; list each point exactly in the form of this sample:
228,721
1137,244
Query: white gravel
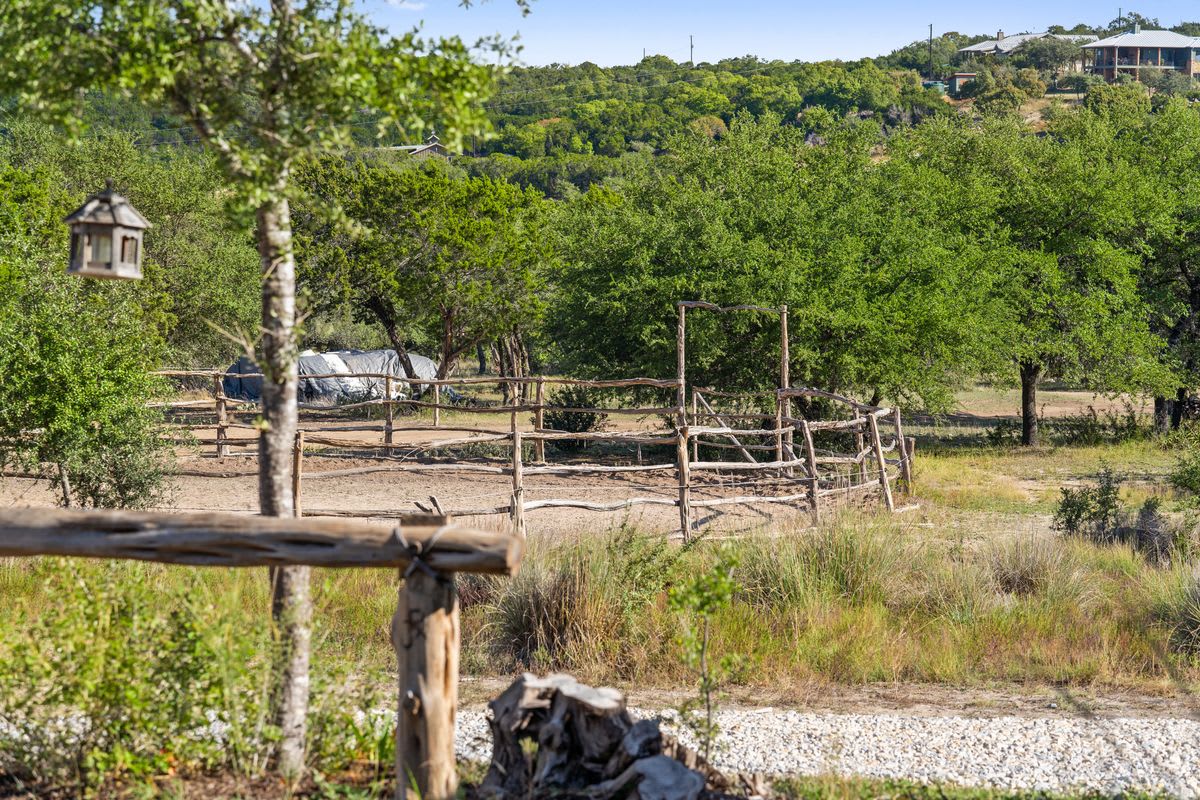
1057,754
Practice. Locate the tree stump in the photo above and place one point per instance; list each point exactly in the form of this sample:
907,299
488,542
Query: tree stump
554,736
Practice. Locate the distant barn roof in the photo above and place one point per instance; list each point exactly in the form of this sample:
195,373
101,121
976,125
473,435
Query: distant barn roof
1007,44
432,146
1140,38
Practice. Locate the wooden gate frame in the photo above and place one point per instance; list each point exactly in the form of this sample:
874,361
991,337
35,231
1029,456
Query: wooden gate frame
427,548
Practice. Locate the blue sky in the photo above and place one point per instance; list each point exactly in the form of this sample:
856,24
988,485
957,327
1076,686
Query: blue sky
612,32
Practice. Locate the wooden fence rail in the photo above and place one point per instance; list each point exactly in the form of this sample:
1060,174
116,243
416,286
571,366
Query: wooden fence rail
425,627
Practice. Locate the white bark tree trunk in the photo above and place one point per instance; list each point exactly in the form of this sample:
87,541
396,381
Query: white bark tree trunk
291,604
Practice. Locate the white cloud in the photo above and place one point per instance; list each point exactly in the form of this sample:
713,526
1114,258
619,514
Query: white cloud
407,5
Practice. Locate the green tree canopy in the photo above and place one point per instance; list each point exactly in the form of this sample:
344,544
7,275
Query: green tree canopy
440,260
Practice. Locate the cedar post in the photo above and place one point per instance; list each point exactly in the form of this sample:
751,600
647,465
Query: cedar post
425,635
517,509
785,375
905,458
437,402
297,471
779,430
539,420
884,486
683,470
222,415
680,367
695,421
860,442
814,483
389,413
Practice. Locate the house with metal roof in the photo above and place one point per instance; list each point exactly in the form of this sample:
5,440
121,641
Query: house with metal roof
432,148
1140,54
1004,46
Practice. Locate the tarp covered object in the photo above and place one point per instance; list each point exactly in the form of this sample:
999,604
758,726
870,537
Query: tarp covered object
337,391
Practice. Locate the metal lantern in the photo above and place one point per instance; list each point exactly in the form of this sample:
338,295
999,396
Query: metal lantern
106,237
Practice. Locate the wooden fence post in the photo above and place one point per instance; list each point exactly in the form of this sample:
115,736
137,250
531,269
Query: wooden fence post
437,402
905,457
779,430
884,486
425,635
695,421
860,444
814,483
539,420
681,368
297,471
785,378
389,414
684,473
517,510
682,467
222,415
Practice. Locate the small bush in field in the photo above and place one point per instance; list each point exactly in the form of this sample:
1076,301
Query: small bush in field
1092,511
1185,474
1093,427
557,419
1005,433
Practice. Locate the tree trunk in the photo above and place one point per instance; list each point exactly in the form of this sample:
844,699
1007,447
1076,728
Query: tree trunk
291,605
1179,408
1030,373
388,320
1162,414
481,354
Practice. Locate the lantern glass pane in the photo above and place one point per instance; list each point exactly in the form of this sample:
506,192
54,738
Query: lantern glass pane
101,248
76,247
129,247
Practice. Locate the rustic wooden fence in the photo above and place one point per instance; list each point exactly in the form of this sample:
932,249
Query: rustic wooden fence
428,549
778,460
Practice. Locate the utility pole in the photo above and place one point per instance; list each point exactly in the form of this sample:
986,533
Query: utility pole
931,52
691,50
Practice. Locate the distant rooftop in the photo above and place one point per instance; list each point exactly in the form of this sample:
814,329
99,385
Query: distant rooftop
1141,38
1003,45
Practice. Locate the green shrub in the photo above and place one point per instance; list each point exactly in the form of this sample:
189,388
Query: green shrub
1093,428
1092,511
116,672
1185,473
110,682
556,419
1005,433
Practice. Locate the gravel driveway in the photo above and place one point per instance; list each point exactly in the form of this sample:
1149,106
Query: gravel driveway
1054,754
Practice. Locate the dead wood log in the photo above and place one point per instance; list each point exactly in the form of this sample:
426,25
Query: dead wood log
554,737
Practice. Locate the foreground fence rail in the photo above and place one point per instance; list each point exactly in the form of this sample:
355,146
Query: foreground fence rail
429,549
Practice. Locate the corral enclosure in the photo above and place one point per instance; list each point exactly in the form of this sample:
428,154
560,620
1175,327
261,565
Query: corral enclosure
700,451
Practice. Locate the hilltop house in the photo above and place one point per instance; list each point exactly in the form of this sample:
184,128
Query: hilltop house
1003,46
432,148
1140,53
